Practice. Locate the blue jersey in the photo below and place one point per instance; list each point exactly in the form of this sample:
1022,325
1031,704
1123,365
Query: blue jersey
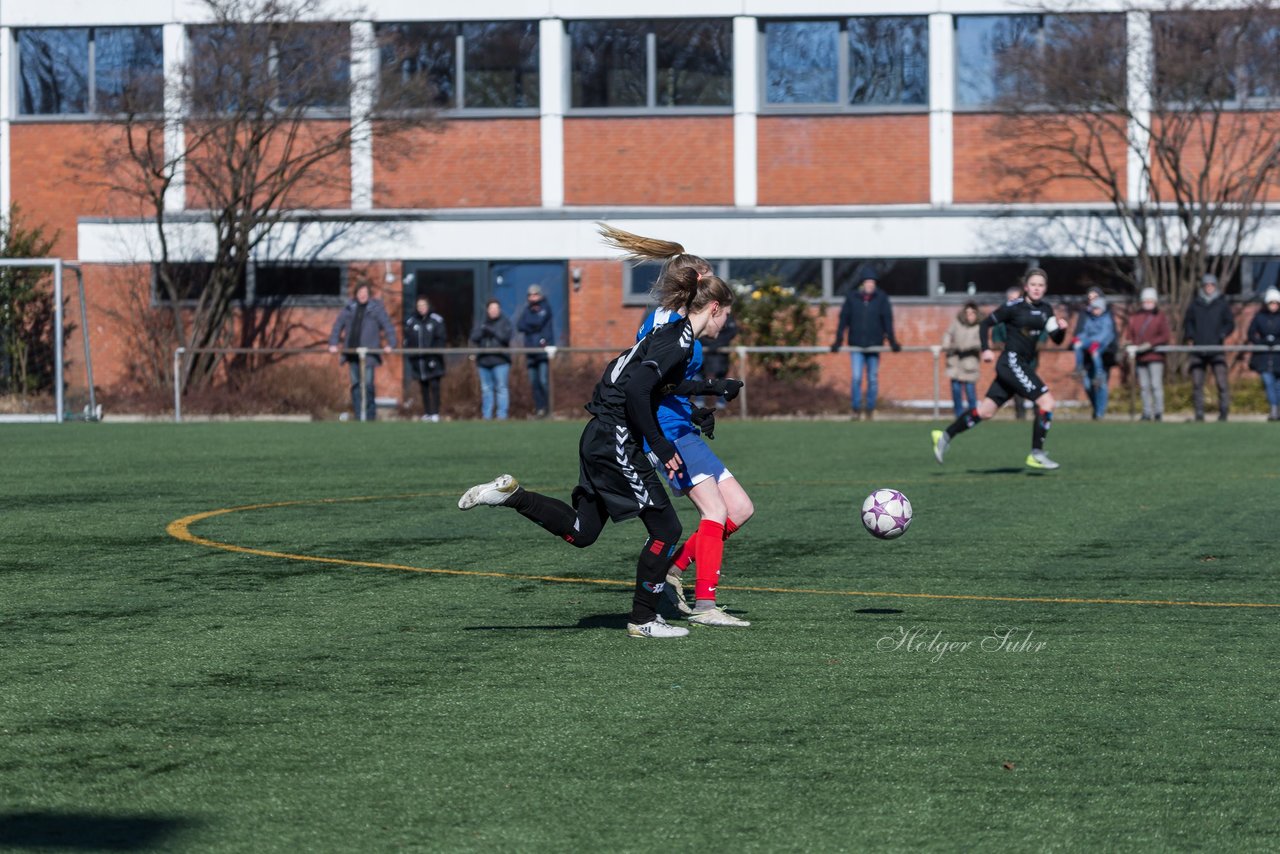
674,412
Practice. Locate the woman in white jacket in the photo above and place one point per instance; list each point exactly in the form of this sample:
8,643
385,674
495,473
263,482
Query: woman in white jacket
964,351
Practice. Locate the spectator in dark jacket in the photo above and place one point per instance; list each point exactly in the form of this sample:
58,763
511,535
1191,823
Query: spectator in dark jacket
538,328
1264,331
868,318
424,330
1208,323
715,354
494,332
1147,329
358,325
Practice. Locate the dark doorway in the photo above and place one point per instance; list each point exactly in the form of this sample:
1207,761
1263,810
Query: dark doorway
451,287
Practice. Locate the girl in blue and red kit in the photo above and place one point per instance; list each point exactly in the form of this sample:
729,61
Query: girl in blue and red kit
616,479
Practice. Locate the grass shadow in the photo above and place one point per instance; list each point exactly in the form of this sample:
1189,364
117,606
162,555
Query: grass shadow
596,621
91,832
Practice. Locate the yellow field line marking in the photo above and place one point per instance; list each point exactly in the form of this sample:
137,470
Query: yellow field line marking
180,529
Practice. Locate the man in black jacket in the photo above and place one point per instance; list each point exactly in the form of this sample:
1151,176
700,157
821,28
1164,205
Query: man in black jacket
868,317
358,325
1209,322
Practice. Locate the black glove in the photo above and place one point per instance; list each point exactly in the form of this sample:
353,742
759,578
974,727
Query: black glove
835,348
727,388
895,346
704,420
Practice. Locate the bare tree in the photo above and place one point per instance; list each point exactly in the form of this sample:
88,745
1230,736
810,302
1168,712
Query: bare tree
258,126
1173,123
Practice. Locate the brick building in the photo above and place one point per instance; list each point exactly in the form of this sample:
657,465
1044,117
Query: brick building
800,139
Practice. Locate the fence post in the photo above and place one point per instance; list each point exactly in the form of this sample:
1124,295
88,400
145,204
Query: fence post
742,367
551,386
362,353
177,384
1132,352
936,349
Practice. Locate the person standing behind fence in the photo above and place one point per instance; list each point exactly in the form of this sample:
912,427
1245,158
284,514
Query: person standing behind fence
1147,329
424,330
1096,341
538,327
1264,331
715,354
360,324
1208,323
493,333
868,317
963,347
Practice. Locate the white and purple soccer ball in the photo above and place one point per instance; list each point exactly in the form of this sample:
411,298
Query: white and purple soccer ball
886,514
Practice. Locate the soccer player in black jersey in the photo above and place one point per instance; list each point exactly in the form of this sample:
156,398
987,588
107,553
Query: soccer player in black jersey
1024,320
616,479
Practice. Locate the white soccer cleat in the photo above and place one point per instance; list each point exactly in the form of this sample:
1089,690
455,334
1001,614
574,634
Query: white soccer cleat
495,492
940,442
655,628
717,617
1040,460
674,591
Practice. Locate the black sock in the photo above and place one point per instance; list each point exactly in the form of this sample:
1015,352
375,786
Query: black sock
1044,420
651,575
551,513
964,422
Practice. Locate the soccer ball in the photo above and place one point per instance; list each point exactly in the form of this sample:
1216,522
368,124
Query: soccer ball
886,514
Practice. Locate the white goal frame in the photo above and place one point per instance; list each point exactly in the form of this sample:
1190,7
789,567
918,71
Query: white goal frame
56,264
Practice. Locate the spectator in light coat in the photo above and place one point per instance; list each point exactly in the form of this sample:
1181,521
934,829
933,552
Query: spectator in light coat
1147,329
963,347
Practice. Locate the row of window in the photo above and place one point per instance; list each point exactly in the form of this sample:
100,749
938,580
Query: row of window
818,279
839,63
832,278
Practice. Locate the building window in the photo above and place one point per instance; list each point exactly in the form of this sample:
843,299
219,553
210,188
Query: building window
906,277
1057,60
804,275
480,65
850,62
283,67
648,64
90,70
1216,57
312,283
190,278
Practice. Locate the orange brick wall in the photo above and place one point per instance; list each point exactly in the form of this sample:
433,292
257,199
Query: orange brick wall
993,164
57,174
463,164
1241,143
843,160
325,185
649,161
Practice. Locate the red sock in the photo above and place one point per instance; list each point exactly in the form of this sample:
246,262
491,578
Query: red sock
687,555
710,553
729,527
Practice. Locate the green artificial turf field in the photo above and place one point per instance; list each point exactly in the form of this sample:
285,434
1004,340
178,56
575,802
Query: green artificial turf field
162,694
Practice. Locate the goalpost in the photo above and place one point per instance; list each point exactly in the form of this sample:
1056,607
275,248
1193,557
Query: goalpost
59,382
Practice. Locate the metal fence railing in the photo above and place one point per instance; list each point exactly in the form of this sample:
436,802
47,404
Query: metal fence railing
742,355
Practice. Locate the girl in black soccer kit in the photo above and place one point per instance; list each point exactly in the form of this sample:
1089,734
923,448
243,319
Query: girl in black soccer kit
1024,320
616,480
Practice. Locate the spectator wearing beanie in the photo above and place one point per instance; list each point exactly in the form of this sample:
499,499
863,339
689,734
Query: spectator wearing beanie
1147,329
